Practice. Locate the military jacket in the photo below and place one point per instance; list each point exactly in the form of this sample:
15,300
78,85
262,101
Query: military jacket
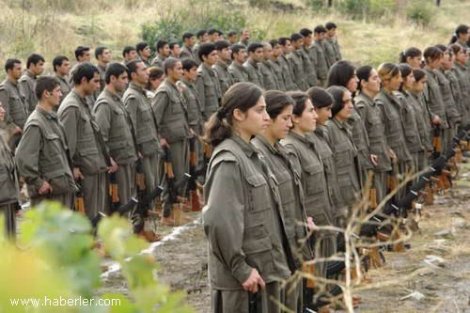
372,116
330,53
433,97
360,140
140,113
225,80
391,111
277,70
8,176
170,113
253,72
115,126
186,53
309,164
237,73
310,70
158,61
208,90
287,75
43,155
242,219
27,85
297,70
291,194
409,118
321,61
452,112
193,105
16,110
423,120
269,80
345,156
64,86
81,131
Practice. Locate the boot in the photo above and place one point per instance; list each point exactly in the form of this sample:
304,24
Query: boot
150,236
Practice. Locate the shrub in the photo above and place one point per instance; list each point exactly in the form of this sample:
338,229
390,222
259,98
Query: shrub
420,12
365,9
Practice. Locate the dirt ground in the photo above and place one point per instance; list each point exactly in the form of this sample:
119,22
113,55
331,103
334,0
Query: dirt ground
433,276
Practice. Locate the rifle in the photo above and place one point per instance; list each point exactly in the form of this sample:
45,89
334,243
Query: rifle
79,199
254,302
392,180
436,141
170,177
114,192
192,183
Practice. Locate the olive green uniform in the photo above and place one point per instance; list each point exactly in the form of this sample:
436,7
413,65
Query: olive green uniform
9,191
64,86
373,118
170,114
43,155
317,201
27,85
291,194
245,226
208,90
225,80
186,53
452,113
158,61
321,64
253,72
16,110
287,75
297,69
330,53
237,73
86,151
309,60
113,121
463,77
334,43
346,161
145,133
277,70
268,77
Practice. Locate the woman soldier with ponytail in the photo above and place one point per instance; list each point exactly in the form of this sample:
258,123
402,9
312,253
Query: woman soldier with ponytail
279,107
411,56
249,252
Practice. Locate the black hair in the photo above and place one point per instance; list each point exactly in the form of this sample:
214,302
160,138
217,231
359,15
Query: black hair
456,48
80,51
337,93
431,54
205,49
188,64
274,42
141,46
242,96
252,47
283,40
461,29
132,67
363,73
405,71
340,73
160,44
187,35
236,48
212,31
10,64
114,69
276,102
330,25
320,97
221,45
412,52
34,59
305,32
387,71
319,29
201,33
45,83
231,33
173,44
127,50
84,70
300,98
419,74
58,61
170,64
295,37
155,73
99,51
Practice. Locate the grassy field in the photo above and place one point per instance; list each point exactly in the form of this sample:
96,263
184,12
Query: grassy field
53,27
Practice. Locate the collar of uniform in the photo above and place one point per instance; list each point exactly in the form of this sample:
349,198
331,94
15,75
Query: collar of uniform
188,48
366,98
247,148
112,95
13,83
207,69
253,63
222,64
49,115
187,82
266,143
137,88
80,98
340,124
303,139
170,84
29,74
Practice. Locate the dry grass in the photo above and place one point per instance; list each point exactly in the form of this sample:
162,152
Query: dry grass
53,30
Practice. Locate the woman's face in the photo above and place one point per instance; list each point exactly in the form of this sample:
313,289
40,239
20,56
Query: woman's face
463,37
408,81
418,86
436,63
461,56
256,119
280,126
352,83
447,61
373,83
393,84
323,114
414,62
307,122
348,107
2,112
